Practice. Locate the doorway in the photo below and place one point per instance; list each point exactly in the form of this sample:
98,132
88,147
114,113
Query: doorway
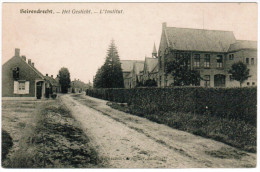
219,80
39,89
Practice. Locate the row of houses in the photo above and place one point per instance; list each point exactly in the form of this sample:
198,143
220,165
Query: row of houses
77,86
211,52
21,79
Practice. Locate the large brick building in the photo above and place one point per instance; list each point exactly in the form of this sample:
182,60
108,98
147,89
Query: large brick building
211,52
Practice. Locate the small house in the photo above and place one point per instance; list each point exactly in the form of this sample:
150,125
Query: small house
20,79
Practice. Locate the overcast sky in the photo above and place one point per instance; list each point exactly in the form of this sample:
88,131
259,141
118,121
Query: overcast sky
80,41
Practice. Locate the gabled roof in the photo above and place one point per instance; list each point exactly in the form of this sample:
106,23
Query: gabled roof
129,75
150,63
155,69
36,70
30,66
127,65
57,79
51,80
199,39
243,44
138,66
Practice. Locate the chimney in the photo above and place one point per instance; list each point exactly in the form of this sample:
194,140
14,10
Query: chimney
46,74
52,76
164,25
29,61
33,64
24,58
17,52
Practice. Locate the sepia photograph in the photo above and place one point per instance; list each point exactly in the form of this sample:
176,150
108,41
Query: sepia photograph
98,85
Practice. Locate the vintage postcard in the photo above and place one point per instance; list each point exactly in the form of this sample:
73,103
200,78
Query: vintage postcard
129,85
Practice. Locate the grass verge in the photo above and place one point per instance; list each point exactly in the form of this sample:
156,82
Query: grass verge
7,143
236,133
54,140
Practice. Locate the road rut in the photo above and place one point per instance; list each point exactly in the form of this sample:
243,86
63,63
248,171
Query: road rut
128,141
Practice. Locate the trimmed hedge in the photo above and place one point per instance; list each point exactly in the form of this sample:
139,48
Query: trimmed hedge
231,103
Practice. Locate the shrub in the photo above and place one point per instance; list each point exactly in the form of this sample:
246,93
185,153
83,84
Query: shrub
230,103
7,143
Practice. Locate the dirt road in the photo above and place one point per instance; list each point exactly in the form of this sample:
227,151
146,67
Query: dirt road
129,141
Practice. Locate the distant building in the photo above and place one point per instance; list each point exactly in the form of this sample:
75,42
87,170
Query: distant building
245,51
211,52
52,86
20,79
150,67
136,73
57,79
127,68
78,86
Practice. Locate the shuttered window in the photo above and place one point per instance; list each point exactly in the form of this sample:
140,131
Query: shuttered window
15,87
21,87
27,86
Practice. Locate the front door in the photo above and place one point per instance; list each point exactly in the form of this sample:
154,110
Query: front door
219,80
39,90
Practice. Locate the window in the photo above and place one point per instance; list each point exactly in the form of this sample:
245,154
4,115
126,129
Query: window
253,83
219,61
231,56
16,73
207,80
252,61
187,59
197,60
207,61
247,60
21,87
248,83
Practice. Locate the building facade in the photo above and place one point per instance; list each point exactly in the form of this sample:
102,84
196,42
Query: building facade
52,86
77,86
20,79
150,72
210,52
136,74
127,69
